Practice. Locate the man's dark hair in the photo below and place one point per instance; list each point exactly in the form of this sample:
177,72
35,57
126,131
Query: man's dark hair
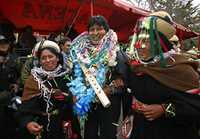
28,28
63,41
98,20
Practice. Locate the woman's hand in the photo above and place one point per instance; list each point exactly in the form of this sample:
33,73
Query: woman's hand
59,95
34,128
152,112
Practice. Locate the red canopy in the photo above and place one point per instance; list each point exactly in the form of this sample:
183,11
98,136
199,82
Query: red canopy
53,15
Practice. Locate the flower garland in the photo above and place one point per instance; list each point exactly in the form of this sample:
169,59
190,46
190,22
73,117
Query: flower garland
97,59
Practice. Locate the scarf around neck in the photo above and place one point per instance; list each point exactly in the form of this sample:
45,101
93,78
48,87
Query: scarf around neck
104,52
34,84
180,73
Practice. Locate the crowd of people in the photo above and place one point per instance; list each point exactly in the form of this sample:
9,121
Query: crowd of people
93,88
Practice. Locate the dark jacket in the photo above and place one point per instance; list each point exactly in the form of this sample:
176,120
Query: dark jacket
34,109
186,107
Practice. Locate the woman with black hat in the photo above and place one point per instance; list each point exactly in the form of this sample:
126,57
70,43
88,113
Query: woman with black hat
9,75
164,84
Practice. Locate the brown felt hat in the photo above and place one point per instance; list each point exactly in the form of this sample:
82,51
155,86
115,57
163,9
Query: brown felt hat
164,23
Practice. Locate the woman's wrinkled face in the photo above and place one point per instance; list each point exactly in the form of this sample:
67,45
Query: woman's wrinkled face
96,33
144,53
48,60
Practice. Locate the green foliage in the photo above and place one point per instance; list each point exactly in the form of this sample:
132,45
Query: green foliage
182,12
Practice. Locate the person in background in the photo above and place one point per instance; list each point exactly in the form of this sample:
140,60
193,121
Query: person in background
9,75
8,66
65,48
165,85
65,45
46,111
26,40
52,37
30,63
7,30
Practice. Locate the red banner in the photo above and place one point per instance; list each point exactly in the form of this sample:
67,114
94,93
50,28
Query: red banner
54,15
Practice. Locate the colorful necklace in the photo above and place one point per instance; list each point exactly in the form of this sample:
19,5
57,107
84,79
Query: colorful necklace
98,63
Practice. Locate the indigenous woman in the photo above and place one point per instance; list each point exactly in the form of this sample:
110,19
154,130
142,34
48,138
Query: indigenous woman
46,111
165,85
94,56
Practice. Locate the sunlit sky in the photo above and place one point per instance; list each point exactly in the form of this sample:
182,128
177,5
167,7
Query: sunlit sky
196,2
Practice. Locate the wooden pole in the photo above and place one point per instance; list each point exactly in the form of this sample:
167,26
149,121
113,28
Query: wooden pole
91,8
199,43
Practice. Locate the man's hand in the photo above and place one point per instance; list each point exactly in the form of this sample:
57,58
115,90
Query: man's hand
118,83
107,90
114,84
